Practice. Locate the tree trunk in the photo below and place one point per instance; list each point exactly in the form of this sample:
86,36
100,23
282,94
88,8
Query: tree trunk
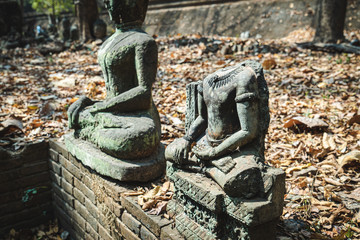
22,18
87,13
330,21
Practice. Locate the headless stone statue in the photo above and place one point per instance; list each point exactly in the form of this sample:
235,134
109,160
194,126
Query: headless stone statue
228,123
126,124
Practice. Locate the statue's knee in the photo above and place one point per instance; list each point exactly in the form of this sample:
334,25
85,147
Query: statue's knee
246,183
170,152
124,144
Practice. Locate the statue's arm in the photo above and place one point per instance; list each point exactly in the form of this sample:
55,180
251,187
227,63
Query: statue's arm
178,151
198,127
139,97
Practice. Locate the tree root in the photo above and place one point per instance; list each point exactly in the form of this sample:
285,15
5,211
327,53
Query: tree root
330,47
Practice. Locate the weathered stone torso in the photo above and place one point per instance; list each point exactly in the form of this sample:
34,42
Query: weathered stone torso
220,91
117,59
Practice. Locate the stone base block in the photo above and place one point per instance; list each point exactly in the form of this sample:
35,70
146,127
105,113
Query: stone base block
202,210
141,170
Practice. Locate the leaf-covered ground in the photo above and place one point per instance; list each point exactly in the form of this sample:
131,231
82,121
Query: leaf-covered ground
323,187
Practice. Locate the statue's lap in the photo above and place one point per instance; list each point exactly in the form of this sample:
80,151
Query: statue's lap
128,136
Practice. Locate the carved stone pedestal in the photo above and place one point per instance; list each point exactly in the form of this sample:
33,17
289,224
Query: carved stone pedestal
202,210
138,170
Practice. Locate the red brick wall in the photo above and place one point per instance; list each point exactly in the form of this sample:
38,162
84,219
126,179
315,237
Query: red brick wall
44,181
25,189
90,206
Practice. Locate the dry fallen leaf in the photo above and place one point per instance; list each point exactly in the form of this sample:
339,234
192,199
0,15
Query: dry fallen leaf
328,142
352,159
354,119
10,126
308,122
47,109
357,217
135,193
269,64
160,208
297,168
149,204
152,193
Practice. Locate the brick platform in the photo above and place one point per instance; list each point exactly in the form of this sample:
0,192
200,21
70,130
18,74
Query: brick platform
44,181
202,210
90,206
25,189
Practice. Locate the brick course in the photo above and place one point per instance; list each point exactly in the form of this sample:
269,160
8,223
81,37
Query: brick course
20,171
98,202
87,205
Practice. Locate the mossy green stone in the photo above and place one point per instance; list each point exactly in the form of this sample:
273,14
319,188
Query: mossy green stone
141,170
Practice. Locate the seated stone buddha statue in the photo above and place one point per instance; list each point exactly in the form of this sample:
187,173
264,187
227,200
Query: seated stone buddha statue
225,137
126,124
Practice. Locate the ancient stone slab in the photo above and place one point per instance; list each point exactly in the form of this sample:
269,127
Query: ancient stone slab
92,232
55,167
152,222
127,233
54,155
133,224
124,170
170,233
104,233
68,176
85,190
145,234
200,188
70,167
238,217
58,147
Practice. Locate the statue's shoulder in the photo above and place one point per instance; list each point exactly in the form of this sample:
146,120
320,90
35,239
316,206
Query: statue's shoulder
247,81
141,38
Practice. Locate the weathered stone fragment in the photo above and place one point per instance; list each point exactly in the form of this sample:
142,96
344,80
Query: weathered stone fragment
234,218
224,189
141,170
